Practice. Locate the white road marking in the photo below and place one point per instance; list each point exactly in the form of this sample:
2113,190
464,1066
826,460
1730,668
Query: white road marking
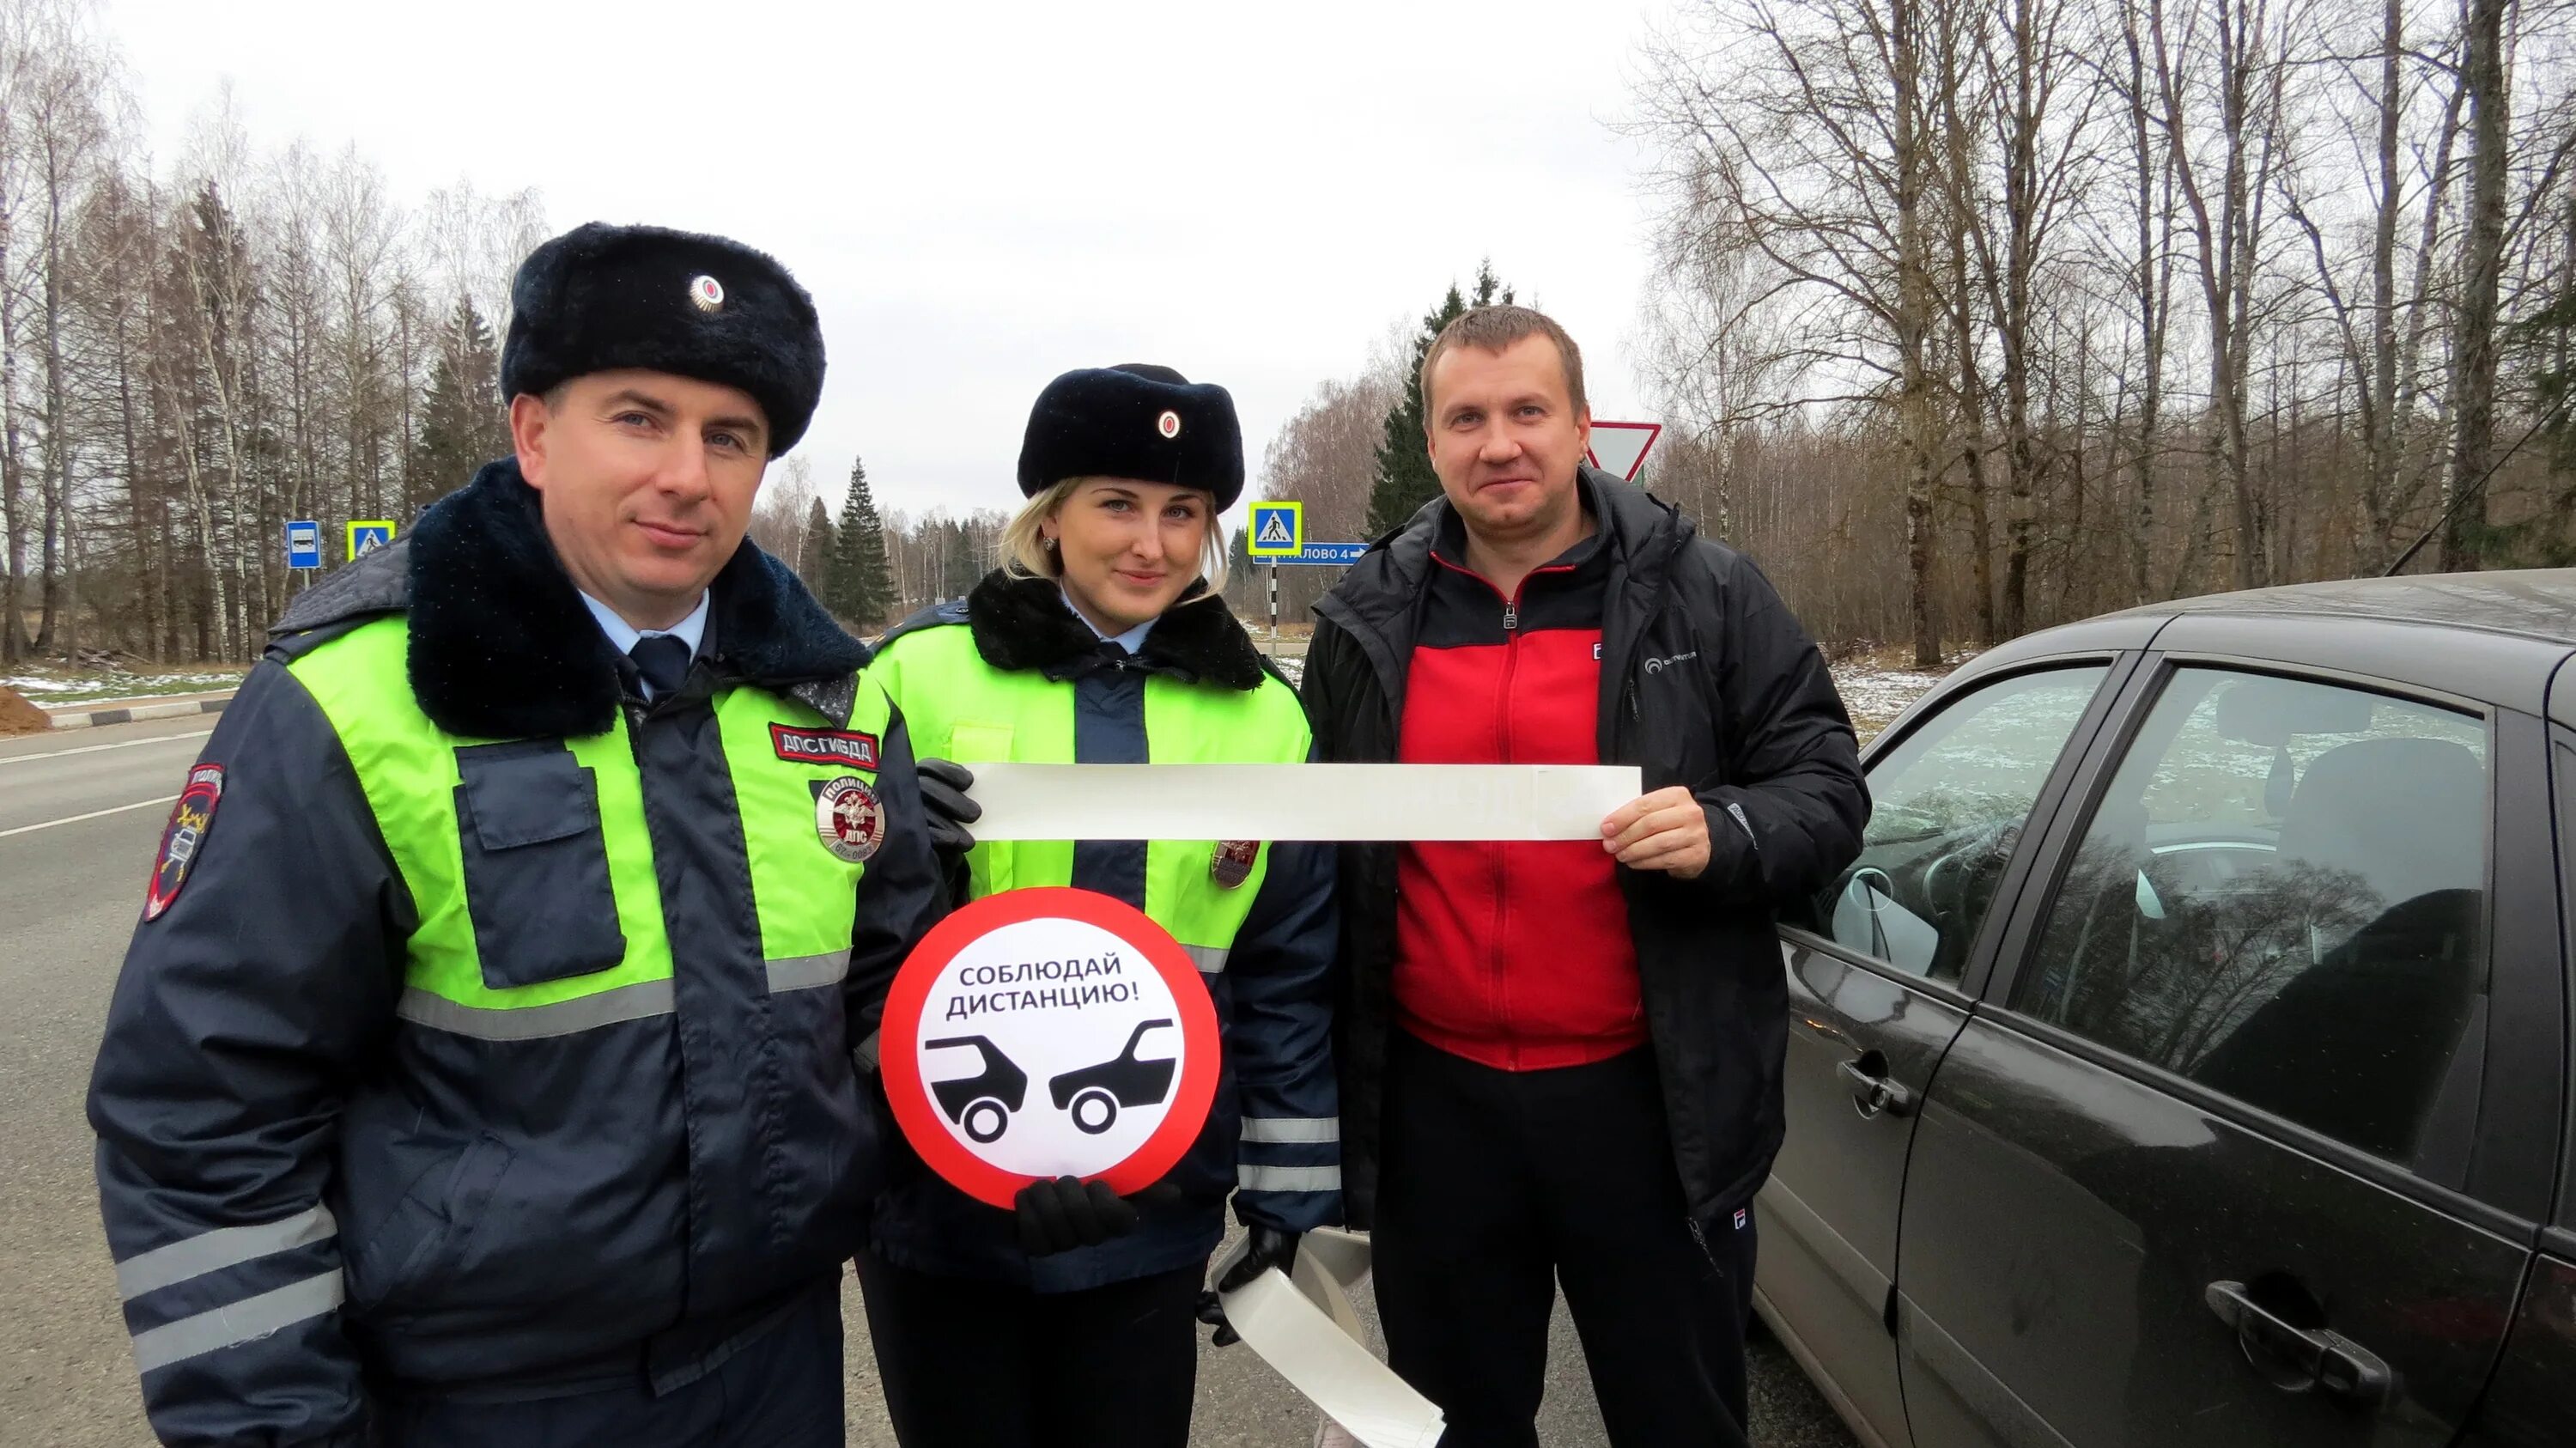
93,814
94,748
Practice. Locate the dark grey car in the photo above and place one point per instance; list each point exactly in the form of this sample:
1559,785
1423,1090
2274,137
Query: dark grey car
2185,1060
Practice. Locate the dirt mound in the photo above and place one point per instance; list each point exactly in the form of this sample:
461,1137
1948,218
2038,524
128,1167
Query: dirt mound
17,716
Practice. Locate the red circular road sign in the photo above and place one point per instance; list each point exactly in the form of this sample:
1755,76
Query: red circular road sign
1049,1032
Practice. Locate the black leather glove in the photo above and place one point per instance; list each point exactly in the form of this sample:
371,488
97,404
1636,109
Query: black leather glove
944,783
1068,1212
1264,1248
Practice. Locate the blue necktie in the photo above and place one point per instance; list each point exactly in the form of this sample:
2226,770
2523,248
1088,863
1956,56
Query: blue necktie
662,661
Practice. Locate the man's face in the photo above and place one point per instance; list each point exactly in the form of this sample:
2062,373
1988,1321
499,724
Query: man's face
647,480
1506,438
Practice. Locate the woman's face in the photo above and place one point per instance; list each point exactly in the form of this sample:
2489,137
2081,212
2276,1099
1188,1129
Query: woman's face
1128,548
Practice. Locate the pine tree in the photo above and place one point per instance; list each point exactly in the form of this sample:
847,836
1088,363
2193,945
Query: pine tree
860,585
814,552
1405,480
462,426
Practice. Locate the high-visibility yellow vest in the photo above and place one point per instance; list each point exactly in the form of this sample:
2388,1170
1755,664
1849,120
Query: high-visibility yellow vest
414,777
957,706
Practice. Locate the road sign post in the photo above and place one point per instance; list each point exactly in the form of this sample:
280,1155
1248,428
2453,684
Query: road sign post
303,543
367,535
1621,447
1277,533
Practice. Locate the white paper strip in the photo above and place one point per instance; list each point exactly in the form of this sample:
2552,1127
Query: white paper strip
1299,801
1307,1329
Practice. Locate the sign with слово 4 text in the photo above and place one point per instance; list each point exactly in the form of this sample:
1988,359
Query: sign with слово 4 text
1044,1033
1337,555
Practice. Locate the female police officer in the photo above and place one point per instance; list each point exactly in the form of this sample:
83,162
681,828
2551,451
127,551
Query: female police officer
1102,640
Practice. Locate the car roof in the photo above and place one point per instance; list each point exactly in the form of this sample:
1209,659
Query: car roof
2538,603
2507,631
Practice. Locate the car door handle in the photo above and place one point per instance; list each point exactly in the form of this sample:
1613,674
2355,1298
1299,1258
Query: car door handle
1874,1092
2319,1358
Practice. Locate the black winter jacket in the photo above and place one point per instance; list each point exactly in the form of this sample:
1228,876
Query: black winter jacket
1706,681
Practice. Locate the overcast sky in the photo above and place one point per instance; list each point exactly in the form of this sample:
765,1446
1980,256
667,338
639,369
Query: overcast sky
982,196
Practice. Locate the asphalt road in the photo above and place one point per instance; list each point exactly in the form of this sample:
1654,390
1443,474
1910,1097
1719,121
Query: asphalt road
80,813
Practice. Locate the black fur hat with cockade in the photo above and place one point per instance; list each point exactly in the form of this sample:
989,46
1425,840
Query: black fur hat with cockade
602,297
1135,420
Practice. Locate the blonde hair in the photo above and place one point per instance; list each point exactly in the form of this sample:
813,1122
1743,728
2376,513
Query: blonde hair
1025,554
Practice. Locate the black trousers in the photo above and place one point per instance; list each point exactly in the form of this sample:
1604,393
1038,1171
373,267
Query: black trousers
782,1389
971,1364
1497,1186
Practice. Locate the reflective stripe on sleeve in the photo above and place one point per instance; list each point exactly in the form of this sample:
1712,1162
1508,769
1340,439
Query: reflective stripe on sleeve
1289,1178
1293,1130
635,1002
222,1327
804,972
221,1248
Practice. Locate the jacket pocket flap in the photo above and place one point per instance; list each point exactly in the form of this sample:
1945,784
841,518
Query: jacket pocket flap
518,796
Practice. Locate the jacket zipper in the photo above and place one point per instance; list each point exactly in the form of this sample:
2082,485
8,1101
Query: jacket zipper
1495,851
1499,852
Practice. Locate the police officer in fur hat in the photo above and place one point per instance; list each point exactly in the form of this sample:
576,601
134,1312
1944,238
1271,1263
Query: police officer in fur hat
1103,639
487,1067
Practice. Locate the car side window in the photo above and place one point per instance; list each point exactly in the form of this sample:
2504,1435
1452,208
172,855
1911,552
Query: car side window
2282,896
1948,804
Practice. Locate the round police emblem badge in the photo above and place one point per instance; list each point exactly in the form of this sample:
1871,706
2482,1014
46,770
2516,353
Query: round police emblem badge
1232,863
707,293
849,819
1169,424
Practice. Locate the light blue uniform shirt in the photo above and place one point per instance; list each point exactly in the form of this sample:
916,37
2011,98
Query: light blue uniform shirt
623,636
1132,640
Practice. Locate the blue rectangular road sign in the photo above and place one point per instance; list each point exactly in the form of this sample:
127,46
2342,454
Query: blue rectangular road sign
1339,555
303,544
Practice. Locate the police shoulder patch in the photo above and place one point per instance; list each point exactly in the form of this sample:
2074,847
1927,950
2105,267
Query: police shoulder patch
183,837
846,747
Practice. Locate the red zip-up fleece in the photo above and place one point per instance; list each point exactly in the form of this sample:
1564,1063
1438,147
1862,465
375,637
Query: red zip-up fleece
1515,955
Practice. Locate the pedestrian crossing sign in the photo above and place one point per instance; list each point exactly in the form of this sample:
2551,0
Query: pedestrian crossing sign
1278,529
367,536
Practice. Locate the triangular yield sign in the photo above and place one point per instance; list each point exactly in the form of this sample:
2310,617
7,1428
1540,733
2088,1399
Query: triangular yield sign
1274,531
1619,448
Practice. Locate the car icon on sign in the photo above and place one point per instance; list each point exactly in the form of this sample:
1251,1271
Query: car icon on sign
981,1104
1095,1093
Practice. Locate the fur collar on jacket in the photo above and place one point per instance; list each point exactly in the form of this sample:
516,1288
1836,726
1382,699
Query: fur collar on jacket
502,645
1022,623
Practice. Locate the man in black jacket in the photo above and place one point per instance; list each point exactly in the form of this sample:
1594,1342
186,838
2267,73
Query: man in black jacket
1561,1061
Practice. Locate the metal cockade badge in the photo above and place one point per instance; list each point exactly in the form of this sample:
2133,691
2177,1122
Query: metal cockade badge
1232,863
849,819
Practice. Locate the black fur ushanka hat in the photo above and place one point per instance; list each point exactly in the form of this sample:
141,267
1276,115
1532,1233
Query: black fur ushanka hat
601,297
1135,420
